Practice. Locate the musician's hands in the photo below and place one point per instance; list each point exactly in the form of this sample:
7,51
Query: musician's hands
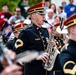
12,70
44,57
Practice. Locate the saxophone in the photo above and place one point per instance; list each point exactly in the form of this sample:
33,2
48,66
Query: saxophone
52,51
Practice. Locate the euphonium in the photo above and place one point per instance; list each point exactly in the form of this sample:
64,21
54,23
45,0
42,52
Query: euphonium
52,51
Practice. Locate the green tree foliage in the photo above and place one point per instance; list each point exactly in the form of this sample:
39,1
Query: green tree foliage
13,3
32,2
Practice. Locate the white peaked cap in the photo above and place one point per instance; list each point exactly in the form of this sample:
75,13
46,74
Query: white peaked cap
27,21
49,10
63,31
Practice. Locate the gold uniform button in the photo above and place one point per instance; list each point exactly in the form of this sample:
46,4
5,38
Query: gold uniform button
40,33
44,45
37,28
43,41
57,42
42,37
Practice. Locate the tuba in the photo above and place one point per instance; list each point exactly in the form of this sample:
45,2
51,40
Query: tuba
52,51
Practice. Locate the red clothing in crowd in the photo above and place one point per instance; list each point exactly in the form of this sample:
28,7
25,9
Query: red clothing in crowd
4,16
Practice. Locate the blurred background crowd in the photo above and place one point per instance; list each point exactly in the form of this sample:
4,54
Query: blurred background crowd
14,17
16,11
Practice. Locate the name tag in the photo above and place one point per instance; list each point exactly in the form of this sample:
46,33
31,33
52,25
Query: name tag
37,39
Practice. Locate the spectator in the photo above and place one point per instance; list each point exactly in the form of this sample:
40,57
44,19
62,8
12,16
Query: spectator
46,5
23,7
57,20
16,17
49,17
70,9
53,7
61,13
63,4
4,15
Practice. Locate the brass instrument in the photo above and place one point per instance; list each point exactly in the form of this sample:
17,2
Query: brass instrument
52,51
4,50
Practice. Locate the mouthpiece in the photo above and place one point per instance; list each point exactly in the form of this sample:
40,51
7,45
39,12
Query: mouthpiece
47,22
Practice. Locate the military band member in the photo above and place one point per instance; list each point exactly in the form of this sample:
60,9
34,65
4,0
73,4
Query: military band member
58,37
16,31
34,38
67,58
12,69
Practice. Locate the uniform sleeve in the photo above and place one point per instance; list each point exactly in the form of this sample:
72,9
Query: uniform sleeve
9,46
21,42
67,63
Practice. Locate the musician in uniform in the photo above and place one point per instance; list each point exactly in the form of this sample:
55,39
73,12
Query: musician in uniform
67,58
58,37
16,31
34,38
7,69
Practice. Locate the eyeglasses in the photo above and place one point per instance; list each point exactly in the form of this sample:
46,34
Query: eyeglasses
18,11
